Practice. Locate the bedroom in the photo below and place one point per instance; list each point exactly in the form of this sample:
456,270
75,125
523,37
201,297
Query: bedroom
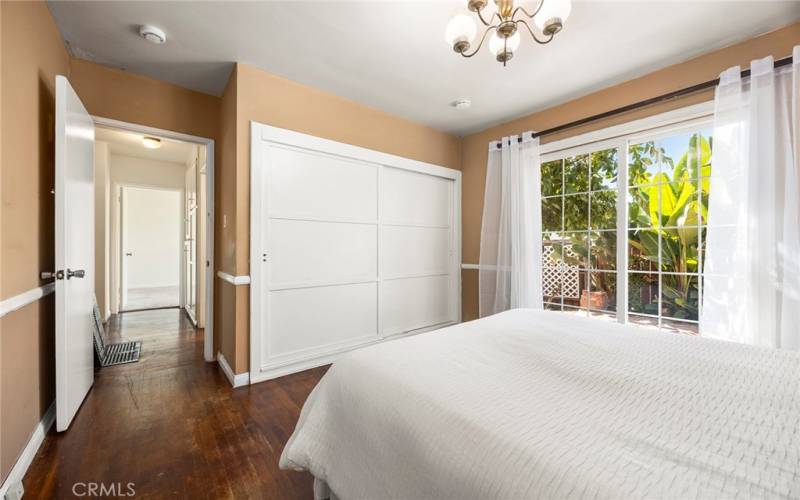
369,204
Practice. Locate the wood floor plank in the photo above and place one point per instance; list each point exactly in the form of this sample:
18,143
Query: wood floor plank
172,425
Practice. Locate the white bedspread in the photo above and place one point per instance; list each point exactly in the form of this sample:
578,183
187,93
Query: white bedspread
529,404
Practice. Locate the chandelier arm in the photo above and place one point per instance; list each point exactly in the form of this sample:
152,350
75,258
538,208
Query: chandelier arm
480,44
525,11
491,19
536,38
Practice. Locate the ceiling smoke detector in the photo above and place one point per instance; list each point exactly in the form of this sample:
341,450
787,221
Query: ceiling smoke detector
152,34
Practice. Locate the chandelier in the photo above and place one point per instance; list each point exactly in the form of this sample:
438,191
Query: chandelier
549,17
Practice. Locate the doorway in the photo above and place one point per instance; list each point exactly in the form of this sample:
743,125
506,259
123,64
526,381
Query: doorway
154,224
151,245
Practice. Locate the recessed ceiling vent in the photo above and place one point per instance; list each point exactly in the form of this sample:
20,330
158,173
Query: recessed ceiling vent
152,34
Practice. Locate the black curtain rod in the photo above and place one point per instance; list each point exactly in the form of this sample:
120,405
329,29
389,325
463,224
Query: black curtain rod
647,102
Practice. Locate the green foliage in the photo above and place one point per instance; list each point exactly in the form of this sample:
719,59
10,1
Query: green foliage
666,202
683,209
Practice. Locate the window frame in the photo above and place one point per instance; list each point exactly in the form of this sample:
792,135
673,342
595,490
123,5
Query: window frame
620,137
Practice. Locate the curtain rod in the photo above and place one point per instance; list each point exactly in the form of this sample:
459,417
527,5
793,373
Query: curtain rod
647,102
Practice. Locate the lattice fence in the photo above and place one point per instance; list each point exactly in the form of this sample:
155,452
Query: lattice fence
559,279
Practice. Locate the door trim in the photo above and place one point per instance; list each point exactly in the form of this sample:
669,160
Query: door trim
208,340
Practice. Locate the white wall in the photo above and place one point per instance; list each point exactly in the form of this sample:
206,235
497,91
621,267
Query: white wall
129,171
152,234
151,173
102,223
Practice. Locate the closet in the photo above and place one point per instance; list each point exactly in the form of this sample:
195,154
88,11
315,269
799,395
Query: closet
349,247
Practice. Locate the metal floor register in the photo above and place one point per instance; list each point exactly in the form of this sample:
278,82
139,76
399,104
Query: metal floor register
113,354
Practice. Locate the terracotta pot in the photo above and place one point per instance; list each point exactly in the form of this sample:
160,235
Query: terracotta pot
594,300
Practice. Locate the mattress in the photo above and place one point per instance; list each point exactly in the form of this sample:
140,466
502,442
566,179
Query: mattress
535,404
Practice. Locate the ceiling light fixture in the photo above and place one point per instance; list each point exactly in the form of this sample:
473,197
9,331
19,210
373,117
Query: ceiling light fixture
151,142
152,34
549,17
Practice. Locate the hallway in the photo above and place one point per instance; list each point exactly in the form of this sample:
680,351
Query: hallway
172,425
152,298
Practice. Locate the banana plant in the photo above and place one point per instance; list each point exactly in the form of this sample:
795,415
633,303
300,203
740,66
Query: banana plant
683,201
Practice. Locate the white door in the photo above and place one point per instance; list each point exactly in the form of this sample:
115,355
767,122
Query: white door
151,247
74,252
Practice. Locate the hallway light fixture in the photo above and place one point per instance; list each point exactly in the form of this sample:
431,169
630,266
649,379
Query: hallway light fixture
549,17
151,142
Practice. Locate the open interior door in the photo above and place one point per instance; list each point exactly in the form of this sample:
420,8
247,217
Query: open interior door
74,218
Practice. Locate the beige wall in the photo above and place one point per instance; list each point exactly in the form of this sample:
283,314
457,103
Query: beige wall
474,147
32,55
225,237
126,96
276,101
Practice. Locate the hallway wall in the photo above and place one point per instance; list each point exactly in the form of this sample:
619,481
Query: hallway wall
31,55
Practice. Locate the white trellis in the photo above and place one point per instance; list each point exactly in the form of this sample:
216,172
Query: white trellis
559,279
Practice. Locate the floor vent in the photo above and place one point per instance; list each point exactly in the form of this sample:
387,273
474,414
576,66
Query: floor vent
124,352
113,354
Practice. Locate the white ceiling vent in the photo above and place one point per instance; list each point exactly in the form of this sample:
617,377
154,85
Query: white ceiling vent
152,34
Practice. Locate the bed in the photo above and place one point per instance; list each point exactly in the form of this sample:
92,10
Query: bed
536,404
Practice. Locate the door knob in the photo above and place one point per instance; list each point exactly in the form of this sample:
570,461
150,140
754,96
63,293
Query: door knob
78,273
128,254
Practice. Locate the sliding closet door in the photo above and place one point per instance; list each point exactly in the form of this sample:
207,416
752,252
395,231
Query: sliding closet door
320,254
348,247
417,244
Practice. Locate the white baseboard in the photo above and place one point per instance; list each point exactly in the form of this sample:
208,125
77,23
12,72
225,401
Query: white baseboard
236,379
26,457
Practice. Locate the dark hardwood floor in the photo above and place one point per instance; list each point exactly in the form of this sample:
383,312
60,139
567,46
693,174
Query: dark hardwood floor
172,425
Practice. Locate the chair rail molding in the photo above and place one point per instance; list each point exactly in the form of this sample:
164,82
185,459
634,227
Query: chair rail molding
16,302
233,280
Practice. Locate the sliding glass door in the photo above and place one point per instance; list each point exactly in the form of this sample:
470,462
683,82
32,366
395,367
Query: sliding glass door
624,227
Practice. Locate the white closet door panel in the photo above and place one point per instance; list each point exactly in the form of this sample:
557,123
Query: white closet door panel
415,198
412,303
321,319
317,185
305,251
412,250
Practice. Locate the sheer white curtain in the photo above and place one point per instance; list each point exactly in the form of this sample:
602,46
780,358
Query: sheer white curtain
751,290
510,273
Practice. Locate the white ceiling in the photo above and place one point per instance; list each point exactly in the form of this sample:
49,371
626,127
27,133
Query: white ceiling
124,143
391,55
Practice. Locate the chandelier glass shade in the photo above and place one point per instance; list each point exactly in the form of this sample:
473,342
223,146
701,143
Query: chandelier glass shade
502,26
